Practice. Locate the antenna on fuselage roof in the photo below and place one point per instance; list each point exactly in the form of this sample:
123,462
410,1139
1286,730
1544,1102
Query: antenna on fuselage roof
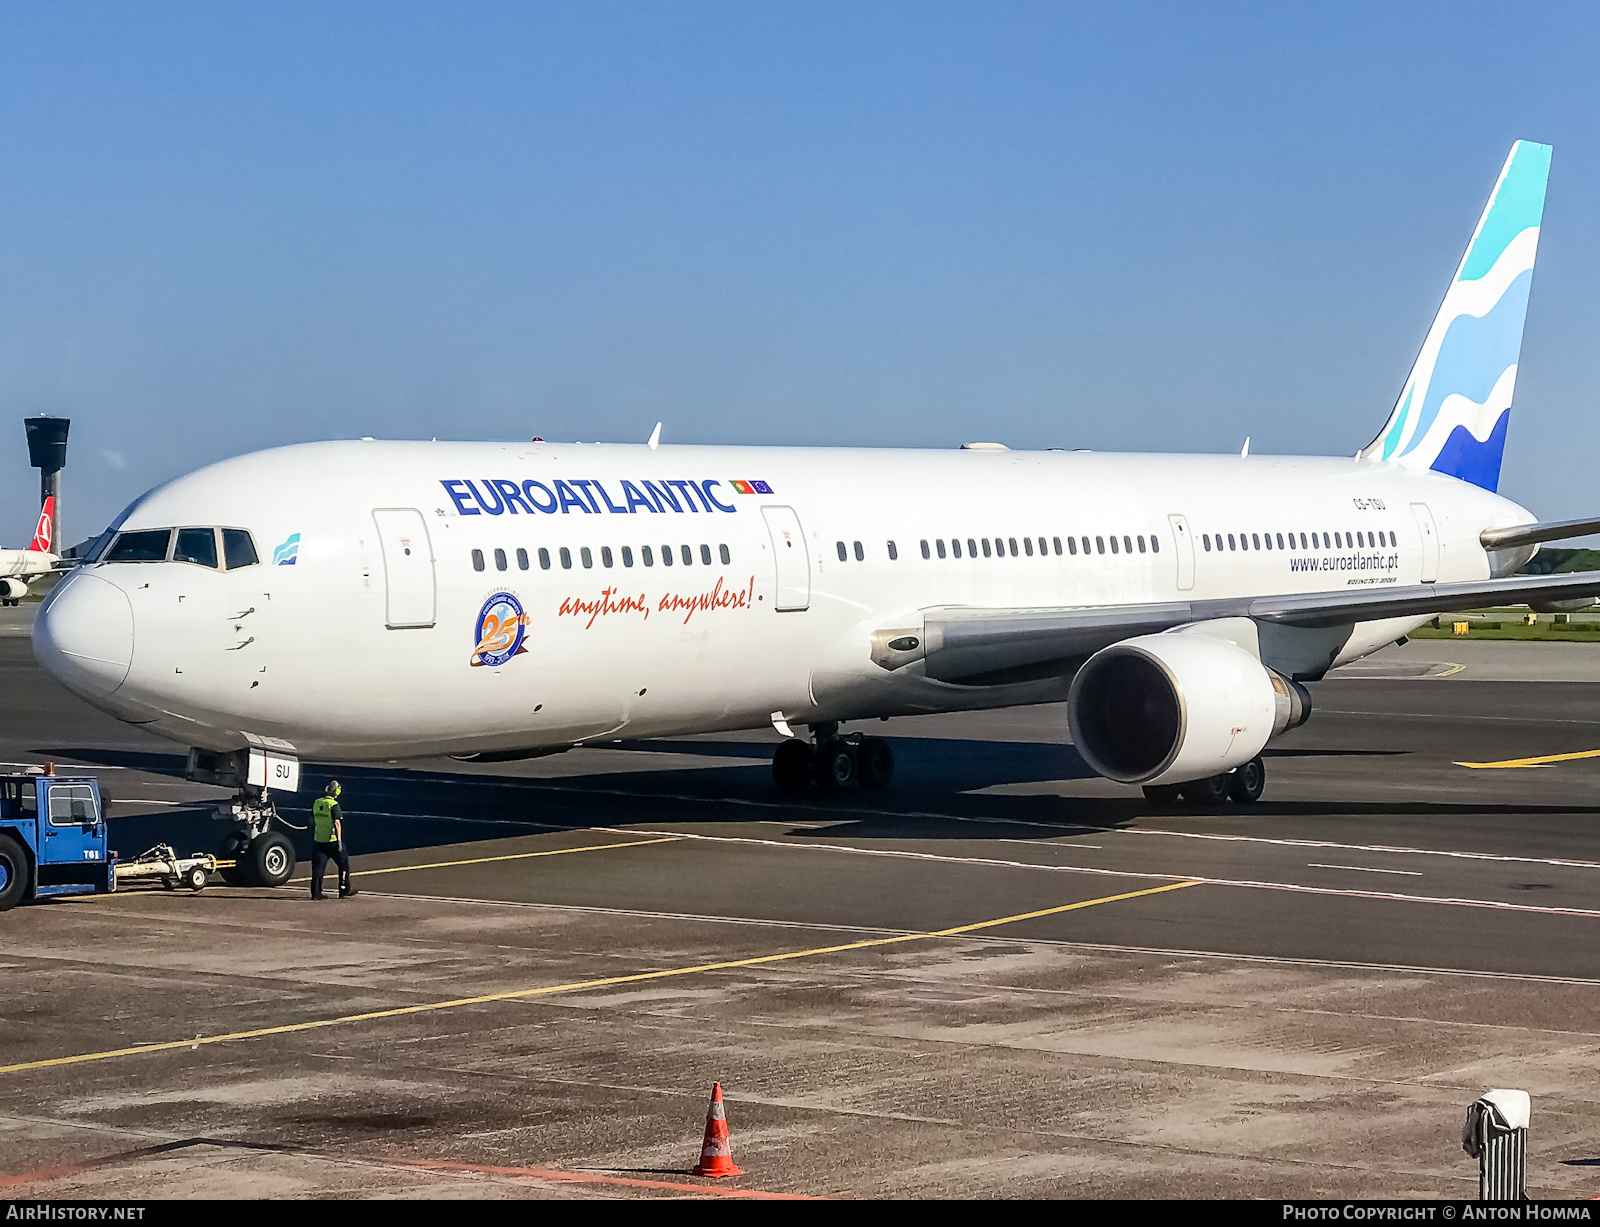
655,437
1245,450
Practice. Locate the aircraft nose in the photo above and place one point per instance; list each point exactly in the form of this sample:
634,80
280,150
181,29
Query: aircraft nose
83,634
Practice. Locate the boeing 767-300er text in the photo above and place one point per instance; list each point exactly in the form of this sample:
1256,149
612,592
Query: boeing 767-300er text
381,600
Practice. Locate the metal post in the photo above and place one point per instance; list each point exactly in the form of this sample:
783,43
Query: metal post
1496,1134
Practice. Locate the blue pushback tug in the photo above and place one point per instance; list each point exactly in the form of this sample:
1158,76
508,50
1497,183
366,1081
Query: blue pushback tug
53,837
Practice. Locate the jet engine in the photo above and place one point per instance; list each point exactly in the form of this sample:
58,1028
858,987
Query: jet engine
1180,706
12,589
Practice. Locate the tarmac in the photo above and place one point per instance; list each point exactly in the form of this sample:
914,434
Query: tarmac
999,977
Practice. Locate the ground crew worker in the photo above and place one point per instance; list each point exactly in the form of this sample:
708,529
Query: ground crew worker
327,835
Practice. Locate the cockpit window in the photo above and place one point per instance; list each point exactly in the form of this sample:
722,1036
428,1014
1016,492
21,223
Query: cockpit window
196,545
97,547
146,545
237,549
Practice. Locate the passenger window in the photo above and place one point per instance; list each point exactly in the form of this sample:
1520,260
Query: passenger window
972,547
196,545
1205,540
894,554
1255,540
147,545
844,554
627,555
1230,541
1113,545
1012,542
1100,544
1027,544
939,545
1085,545
477,560
688,556
1155,544
986,552
586,556
544,559
1337,543
705,555
666,555
955,546
648,555
605,555
566,559
499,560
1280,541
1127,544
1071,542
522,560
1043,551
1303,544
860,555
727,558
1141,543
926,552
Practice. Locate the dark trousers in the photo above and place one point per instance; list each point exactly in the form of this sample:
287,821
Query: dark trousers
321,854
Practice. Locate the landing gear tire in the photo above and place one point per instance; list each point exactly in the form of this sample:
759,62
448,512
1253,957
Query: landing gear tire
271,859
235,847
1246,783
836,765
1212,790
13,873
875,763
1162,795
792,765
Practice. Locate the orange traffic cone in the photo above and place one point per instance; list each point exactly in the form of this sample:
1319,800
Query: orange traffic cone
716,1157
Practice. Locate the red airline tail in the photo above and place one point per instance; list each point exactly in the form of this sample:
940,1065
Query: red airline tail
41,535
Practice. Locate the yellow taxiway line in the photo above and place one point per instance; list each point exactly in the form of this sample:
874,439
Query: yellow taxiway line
514,856
1540,761
579,985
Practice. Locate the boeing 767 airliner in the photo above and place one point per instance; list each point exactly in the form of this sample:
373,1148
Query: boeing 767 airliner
382,600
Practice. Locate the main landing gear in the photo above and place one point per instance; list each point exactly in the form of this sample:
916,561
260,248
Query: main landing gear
260,855
834,761
1242,786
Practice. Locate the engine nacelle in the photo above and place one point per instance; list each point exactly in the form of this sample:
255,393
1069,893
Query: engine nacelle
1179,706
13,589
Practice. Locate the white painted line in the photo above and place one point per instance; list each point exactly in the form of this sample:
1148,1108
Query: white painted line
1410,873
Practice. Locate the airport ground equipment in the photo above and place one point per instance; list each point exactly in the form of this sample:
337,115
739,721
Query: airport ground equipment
162,864
53,837
1496,1135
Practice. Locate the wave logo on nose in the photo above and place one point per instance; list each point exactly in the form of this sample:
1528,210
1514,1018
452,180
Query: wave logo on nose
284,555
502,628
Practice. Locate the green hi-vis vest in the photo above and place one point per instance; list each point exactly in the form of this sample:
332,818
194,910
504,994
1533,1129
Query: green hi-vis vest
322,819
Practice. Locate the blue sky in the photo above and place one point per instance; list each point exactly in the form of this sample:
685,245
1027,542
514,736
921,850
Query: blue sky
1142,227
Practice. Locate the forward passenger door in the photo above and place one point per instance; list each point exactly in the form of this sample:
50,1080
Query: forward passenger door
408,575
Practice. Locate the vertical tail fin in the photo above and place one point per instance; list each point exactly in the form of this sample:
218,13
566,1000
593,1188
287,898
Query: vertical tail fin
41,534
1452,413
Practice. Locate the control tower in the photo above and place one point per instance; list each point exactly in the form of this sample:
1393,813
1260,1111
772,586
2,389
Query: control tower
47,452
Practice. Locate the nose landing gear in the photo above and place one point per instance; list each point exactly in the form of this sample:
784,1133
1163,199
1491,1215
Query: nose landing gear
833,761
260,856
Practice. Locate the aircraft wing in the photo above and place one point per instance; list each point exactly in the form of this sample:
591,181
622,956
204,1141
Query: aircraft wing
961,644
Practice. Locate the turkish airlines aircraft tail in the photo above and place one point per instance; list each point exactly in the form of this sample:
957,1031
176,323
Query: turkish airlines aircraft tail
1453,410
41,534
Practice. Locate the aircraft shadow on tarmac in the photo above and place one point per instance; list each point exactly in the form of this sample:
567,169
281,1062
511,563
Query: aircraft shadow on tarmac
939,793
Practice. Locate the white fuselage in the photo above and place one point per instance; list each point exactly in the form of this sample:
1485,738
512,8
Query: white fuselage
349,647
